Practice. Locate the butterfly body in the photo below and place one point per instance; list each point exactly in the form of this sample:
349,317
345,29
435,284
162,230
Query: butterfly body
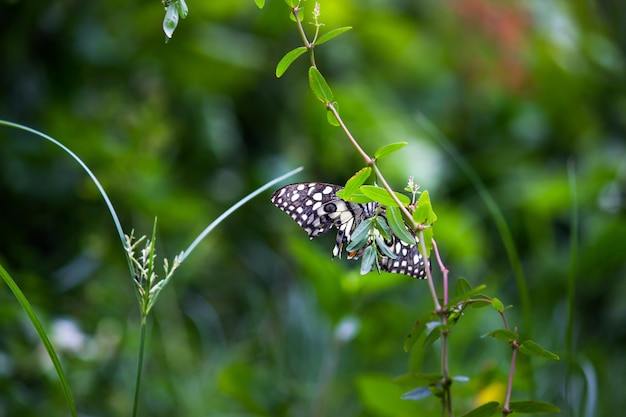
316,208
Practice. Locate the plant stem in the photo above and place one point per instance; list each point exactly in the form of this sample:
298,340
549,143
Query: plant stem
445,376
496,214
369,161
507,400
429,276
142,339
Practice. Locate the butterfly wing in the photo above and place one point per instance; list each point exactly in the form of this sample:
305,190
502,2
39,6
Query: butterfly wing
316,208
408,260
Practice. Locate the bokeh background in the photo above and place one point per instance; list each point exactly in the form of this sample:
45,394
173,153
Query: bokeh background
259,320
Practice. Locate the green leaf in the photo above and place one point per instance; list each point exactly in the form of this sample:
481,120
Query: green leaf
41,332
292,3
465,296
428,240
424,213
359,198
368,260
416,394
330,116
497,305
353,184
360,235
434,334
388,149
480,303
484,410
399,228
183,9
318,85
380,243
292,17
383,227
532,406
531,348
462,286
170,21
503,334
288,59
382,196
332,34
417,329
260,3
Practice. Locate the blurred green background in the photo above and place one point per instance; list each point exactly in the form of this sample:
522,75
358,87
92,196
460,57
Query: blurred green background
259,320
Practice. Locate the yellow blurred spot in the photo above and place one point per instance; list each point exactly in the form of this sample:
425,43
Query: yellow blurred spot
492,392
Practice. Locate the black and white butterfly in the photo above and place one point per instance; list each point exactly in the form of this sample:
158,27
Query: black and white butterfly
316,208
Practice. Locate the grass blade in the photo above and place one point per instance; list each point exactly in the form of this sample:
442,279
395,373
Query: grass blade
21,298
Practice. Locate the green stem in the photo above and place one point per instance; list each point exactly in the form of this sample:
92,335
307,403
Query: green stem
496,214
429,276
142,344
507,400
379,175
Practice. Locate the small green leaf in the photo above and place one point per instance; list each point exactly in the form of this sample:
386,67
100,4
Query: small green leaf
292,3
483,302
384,249
260,3
383,227
330,116
359,198
428,240
388,149
497,305
170,21
462,286
532,406
318,85
424,213
531,348
416,394
503,334
288,59
355,181
465,296
360,235
183,9
292,17
399,228
382,196
368,260
484,410
332,34
435,334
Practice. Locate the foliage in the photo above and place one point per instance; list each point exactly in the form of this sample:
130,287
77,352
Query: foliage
528,94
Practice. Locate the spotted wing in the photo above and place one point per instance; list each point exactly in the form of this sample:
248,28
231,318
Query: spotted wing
316,208
408,260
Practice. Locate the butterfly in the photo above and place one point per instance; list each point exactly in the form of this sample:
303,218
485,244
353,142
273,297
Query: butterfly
316,208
